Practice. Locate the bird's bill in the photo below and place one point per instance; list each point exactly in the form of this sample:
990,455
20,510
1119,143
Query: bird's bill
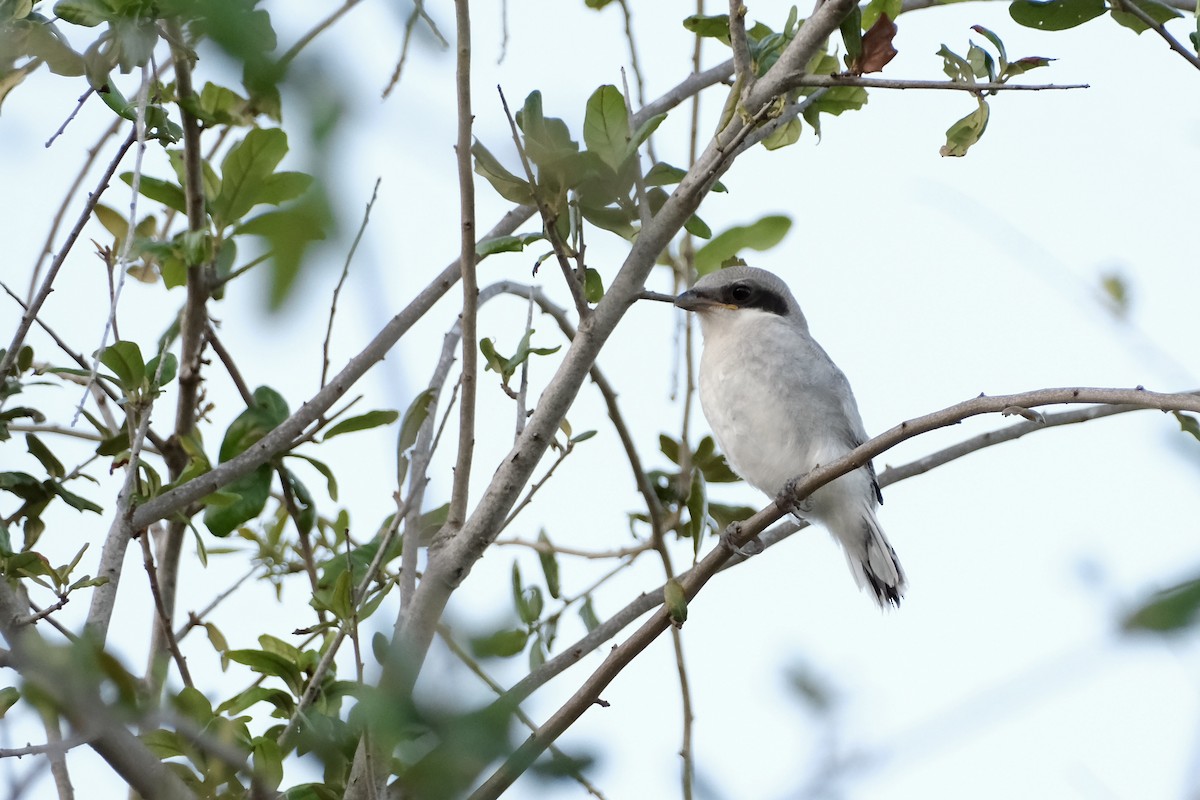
698,300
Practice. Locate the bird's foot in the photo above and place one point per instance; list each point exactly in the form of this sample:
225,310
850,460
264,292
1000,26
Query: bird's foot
787,498
729,537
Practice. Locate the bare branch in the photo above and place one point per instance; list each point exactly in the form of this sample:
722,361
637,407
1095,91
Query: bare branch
804,486
36,302
470,285
337,290
78,701
163,613
830,81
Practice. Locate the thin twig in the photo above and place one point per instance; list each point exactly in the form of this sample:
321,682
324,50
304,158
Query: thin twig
35,303
467,259
317,678
547,548
561,759
830,81
743,69
549,220
694,580
293,51
418,12
337,290
196,619
1161,29
226,359
162,615
43,749
89,158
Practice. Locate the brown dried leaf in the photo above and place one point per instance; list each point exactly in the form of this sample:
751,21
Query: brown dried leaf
877,49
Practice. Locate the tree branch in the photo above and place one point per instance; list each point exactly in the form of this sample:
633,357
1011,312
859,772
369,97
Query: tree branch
830,81
460,489
75,699
1159,28
804,486
281,438
36,302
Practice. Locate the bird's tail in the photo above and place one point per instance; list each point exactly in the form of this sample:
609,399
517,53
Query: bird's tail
873,561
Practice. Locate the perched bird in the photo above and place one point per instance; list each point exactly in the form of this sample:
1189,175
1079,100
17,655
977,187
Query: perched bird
779,407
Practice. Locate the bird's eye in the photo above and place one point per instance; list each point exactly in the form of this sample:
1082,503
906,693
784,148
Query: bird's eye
740,293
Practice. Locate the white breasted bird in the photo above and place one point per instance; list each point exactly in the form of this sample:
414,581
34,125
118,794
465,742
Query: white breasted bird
779,407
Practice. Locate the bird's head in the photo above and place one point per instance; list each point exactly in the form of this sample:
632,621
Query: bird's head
735,289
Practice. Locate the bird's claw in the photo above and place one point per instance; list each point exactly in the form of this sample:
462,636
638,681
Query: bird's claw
752,547
787,498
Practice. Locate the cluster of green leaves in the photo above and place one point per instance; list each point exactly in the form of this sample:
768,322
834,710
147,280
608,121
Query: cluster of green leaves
597,182
506,366
980,65
765,46
679,490
248,178
34,493
1059,15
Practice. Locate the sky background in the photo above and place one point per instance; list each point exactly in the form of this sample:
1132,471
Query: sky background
929,280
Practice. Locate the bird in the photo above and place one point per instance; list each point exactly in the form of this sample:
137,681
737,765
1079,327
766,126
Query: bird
779,407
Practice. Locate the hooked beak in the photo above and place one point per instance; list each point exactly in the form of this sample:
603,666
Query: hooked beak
698,300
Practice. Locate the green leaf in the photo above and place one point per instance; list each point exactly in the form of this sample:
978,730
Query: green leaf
414,417
9,695
547,139
160,191
994,39
244,171
1188,423
606,126
38,450
643,133
1169,611
616,220
1055,15
697,506
875,8
786,134
1156,11
506,244
371,419
247,496
587,614
761,235
955,66
530,605
170,366
271,664
73,500
507,185
549,565
712,27
283,186
593,286
269,409
697,227
675,601
1022,65
501,644
966,132
669,447
125,360
852,29
88,13
268,763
